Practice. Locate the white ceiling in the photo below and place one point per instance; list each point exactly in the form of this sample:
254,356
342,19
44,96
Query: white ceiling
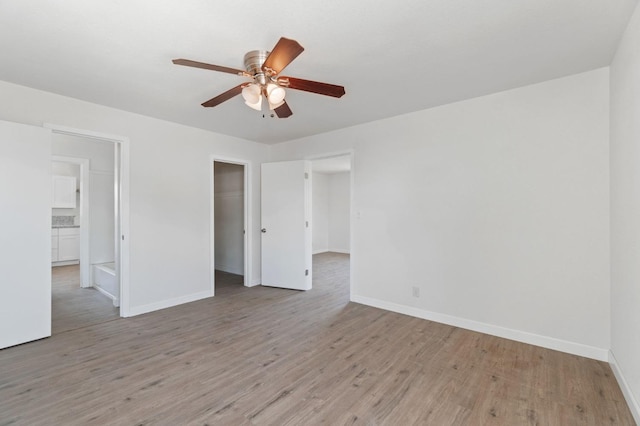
392,57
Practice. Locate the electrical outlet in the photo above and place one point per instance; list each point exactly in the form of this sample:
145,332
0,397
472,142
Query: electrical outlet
416,291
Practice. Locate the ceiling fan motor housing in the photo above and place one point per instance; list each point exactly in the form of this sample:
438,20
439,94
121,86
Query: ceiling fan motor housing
253,64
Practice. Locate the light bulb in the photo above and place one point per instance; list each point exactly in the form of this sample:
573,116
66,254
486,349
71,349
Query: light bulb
255,105
251,93
275,94
273,106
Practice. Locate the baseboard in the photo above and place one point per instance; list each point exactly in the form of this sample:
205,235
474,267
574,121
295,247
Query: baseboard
633,404
105,292
229,269
507,333
343,251
65,263
332,251
138,310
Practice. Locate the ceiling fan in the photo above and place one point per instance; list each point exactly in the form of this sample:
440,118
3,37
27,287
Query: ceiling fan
264,69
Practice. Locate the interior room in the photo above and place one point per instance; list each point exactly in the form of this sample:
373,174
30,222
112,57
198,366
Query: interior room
331,204
229,223
483,270
84,285
331,215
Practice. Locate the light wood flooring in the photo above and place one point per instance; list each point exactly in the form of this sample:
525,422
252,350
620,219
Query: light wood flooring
73,307
268,356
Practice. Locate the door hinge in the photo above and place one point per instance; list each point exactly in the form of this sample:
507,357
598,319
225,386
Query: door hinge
306,272
306,175
306,223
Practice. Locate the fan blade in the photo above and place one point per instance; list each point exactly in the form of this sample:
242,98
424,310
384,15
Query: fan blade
283,111
312,86
195,64
224,96
285,51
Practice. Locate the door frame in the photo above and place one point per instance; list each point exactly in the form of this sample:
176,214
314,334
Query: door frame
85,274
247,218
122,148
351,154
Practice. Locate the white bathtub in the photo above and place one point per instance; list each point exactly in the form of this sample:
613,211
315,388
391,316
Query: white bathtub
104,280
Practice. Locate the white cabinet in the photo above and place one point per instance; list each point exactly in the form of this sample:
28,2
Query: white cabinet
54,245
68,244
64,192
65,244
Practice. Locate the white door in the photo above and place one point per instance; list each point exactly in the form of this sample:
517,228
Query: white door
25,248
286,225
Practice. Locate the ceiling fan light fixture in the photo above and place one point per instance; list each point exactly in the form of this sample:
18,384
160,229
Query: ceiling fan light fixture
273,106
263,68
255,105
275,94
251,94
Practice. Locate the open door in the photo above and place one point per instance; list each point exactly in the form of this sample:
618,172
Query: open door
25,252
286,225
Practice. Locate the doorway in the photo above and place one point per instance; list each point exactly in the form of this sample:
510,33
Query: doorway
331,213
84,284
96,289
229,225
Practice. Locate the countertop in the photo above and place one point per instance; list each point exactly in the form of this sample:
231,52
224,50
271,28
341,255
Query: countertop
64,226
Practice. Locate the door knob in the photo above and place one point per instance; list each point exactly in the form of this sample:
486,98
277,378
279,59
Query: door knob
263,230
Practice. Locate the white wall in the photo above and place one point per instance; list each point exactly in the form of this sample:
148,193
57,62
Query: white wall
99,153
497,208
102,217
229,217
331,198
320,212
169,191
339,212
625,213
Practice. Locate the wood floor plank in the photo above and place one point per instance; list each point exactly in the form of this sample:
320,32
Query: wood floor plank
254,356
74,307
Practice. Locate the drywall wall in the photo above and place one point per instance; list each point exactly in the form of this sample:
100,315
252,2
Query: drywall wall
496,208
99,153
625,213
229,217
339,211
170,187
331,198
320,212
102,217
